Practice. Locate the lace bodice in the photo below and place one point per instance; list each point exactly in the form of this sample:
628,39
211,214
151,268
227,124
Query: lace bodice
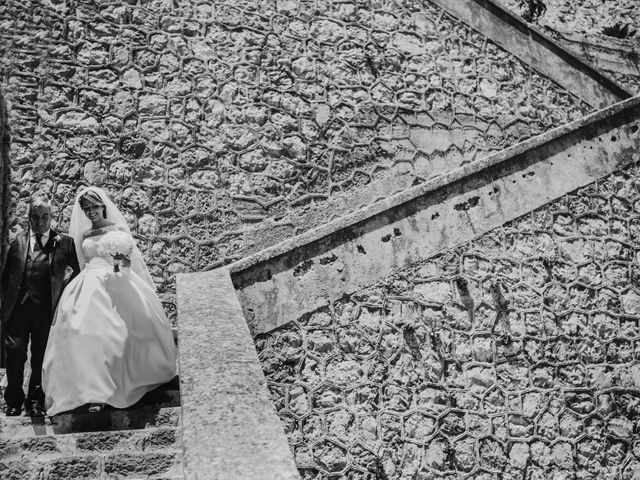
90,245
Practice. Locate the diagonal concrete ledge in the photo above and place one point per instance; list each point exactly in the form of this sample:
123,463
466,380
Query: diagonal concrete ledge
231,430
531,45
430,185
307,272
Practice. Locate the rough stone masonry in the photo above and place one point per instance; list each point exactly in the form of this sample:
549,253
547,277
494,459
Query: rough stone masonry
586,21
223,127
514,356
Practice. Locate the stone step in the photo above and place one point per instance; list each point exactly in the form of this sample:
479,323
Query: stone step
152,439
168,398
147,416
167,395
155,465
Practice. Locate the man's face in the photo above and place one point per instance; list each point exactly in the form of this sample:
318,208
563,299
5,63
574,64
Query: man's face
40,219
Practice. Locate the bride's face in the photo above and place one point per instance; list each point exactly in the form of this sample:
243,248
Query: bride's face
93,212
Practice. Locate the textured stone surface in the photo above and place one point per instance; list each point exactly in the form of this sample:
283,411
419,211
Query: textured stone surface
231,430
279,284
587,17
143,417
586,20
630,81
141,442
139,466
224,127
534,47
513,356
153,453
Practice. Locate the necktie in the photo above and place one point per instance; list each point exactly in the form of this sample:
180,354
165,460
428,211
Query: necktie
38,245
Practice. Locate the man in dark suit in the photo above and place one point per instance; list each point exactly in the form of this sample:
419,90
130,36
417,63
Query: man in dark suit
39,264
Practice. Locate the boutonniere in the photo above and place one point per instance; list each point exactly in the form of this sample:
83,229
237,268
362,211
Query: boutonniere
52,244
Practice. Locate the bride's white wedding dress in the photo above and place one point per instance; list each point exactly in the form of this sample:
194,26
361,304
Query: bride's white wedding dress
110,341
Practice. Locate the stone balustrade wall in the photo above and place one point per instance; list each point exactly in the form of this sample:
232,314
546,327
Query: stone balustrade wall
514,356
224,127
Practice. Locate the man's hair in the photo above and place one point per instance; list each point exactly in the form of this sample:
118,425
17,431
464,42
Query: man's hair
39,200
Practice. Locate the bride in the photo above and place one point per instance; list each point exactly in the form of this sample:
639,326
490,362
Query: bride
110,341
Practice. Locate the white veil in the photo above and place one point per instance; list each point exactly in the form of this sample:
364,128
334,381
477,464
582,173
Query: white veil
80,223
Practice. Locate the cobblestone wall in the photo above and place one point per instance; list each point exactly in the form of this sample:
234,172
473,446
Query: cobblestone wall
514,356
211,120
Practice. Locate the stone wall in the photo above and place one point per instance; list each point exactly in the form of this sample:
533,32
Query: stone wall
630,81
224,127
587,19
514,356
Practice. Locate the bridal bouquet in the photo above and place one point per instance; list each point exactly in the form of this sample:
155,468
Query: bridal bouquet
117,244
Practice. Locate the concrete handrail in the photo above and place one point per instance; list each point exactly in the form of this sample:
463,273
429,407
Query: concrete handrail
281,283
230,427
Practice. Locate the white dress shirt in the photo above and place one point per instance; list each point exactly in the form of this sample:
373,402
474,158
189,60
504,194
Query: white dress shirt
44,239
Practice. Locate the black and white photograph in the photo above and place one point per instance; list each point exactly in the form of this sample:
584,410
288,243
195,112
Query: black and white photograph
320,239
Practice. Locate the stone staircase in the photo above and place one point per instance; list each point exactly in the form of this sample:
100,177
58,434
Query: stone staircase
141,442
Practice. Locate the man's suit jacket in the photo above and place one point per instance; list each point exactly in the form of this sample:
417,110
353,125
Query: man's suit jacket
62,254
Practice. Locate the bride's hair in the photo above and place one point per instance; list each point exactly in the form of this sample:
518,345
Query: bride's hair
92,198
